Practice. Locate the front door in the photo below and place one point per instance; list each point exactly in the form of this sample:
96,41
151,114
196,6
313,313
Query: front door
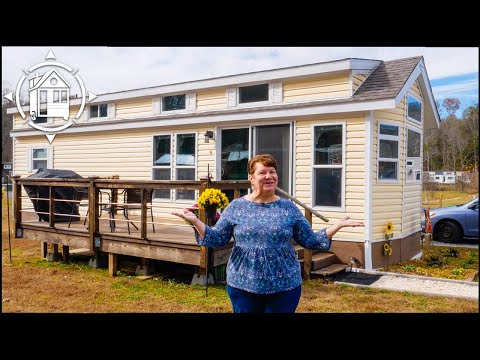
276,141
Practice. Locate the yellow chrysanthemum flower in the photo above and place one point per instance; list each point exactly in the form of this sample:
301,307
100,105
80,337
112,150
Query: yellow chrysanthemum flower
212,197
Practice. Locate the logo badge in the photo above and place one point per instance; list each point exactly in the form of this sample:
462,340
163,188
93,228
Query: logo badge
49,95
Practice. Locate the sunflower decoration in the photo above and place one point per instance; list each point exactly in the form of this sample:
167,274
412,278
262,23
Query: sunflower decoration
387,247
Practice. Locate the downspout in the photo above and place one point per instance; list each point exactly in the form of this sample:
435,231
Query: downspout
368,190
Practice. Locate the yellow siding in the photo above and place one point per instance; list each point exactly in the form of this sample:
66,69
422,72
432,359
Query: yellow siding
125,109
354,173
212,100
317,89
412,195
127,153
415,90
18,121
357,80
398,202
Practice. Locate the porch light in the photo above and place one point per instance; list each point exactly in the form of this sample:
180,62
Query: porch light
208,135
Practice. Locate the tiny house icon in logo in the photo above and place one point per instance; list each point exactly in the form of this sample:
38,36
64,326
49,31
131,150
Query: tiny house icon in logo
49,95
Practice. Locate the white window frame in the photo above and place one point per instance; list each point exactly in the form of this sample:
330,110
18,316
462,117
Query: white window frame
392,138
340,208
97,117
170,199
419,159
255,103
421,110
163,111
31,159
175,167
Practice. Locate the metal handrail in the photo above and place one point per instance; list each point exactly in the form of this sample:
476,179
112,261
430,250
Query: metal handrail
298,202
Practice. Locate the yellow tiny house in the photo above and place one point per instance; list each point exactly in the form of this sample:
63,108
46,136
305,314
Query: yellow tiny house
347,135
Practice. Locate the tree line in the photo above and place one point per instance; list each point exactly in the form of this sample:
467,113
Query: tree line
454,145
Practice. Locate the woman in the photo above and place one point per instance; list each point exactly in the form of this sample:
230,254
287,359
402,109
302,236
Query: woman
263,272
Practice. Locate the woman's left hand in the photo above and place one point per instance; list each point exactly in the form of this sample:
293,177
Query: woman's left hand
346,222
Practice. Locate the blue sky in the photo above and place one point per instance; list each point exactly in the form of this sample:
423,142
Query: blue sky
453,71
464,87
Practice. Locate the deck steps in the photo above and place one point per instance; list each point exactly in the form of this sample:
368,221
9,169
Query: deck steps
330,269
323,263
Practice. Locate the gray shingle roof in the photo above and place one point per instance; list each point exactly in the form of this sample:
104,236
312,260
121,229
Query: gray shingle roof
387,79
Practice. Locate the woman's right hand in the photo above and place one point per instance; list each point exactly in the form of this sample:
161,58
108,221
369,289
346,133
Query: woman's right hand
186,215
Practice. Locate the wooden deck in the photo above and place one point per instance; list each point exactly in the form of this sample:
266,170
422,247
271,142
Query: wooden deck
174,242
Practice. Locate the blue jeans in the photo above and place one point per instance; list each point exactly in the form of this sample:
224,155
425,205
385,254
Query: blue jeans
280,302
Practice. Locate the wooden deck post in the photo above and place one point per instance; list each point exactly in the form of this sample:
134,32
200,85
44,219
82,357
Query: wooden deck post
93,226
112,264
201,216
43,249
17,207
51,207
66,253
307,253
143,214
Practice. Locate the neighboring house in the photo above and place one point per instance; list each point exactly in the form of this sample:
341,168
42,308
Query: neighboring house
347,135
442,177
49,96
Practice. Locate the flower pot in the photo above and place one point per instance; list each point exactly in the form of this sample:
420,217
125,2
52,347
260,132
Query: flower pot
210,212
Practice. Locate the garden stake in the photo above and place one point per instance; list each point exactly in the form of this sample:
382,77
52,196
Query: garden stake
8,219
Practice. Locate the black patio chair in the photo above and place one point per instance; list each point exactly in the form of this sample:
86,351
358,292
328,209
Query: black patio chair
79,193
134,196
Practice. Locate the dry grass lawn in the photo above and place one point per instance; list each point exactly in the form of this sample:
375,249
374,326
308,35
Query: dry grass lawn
33,285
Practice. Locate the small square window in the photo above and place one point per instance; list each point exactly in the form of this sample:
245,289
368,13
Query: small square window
175,102
100,110
248,94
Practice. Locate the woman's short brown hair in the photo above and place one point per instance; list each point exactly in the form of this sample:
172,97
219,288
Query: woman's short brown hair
264,159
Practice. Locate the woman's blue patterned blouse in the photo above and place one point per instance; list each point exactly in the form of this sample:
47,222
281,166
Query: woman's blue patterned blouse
263,260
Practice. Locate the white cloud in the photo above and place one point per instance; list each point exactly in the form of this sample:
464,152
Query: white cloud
467,88
106,69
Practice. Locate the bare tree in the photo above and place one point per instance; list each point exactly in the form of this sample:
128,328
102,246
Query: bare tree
7,124
470,115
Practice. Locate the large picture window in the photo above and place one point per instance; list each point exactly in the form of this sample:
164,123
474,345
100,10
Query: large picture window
328,165
414,109
388,141
162,163
183,156
185,164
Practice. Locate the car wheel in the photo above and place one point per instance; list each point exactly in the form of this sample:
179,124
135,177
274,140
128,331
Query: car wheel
448,232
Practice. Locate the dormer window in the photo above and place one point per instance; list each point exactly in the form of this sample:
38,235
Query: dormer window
174,102
98,111
254,93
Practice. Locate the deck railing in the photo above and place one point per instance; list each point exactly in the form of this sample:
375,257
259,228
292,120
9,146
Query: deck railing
96,186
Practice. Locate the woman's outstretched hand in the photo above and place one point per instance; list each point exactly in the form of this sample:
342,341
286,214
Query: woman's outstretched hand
189,216
186,215
346,222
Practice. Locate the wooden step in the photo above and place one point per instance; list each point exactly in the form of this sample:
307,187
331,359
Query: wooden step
322,260
299,250
330,269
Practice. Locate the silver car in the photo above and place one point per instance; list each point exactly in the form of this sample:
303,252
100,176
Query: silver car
453,223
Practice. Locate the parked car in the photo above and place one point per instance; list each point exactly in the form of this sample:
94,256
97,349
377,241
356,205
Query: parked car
453,223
